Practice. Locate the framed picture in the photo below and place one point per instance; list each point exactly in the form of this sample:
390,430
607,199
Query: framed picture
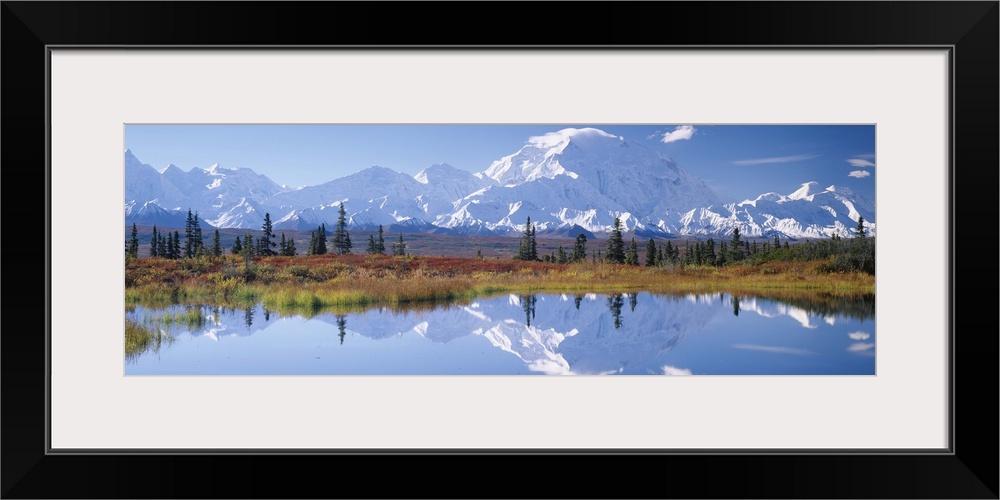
919,88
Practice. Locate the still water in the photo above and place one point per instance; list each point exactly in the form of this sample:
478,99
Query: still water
540,334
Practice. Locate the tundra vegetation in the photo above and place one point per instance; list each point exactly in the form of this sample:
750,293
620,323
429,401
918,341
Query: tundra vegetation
259,269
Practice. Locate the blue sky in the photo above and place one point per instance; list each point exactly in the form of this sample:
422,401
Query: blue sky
738,161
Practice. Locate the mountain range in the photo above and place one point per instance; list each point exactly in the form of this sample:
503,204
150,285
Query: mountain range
567,182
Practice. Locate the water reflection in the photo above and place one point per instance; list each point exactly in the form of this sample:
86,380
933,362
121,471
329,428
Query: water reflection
342,327
523,334
615,306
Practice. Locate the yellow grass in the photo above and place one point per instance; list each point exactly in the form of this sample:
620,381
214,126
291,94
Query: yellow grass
309,285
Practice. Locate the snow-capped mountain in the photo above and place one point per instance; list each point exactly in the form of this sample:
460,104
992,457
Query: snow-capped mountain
567,182
223,197
809,212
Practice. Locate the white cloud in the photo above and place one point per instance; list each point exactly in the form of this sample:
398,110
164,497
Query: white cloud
681,133
860,174
776,159
859,335
774,349
673,370
861,346
858,162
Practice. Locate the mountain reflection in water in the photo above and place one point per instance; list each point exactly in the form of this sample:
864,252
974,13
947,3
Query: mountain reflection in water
585,334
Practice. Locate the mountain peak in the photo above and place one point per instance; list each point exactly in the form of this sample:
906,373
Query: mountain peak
563,137
438,171
545,156
806,192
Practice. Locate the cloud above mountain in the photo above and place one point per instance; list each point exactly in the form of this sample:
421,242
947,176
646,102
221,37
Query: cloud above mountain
681,133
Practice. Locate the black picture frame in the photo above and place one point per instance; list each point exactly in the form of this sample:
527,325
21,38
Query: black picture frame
970,29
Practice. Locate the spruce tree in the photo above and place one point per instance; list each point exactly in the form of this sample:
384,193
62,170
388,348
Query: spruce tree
616,245
248,249
189,235
217,244
341,238
199,244
266,242
176,252
161,246
321,239
248,245
524,245
860,231
735,252
283,246
237,247
290,249
580,248
312,244
133,243
632,254
380,242
153,242
650,253
371,244
399,248
563,258
534,247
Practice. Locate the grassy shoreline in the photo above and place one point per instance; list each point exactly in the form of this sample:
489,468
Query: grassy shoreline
314,283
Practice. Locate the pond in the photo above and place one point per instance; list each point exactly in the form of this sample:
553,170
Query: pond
518,334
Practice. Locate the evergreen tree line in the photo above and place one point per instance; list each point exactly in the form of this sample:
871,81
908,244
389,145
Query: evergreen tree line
528,248
167,245
855,254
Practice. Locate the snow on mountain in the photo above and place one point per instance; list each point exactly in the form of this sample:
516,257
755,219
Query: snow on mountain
244,214
588,177
568,181
808,212
213,192
151,214
548,333
373,196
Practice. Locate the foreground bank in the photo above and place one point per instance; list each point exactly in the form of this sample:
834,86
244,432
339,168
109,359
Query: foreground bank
309,284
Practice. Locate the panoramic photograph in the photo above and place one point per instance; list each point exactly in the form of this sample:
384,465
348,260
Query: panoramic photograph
469,249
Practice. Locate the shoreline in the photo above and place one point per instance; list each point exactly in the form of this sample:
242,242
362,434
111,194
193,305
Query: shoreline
314,283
